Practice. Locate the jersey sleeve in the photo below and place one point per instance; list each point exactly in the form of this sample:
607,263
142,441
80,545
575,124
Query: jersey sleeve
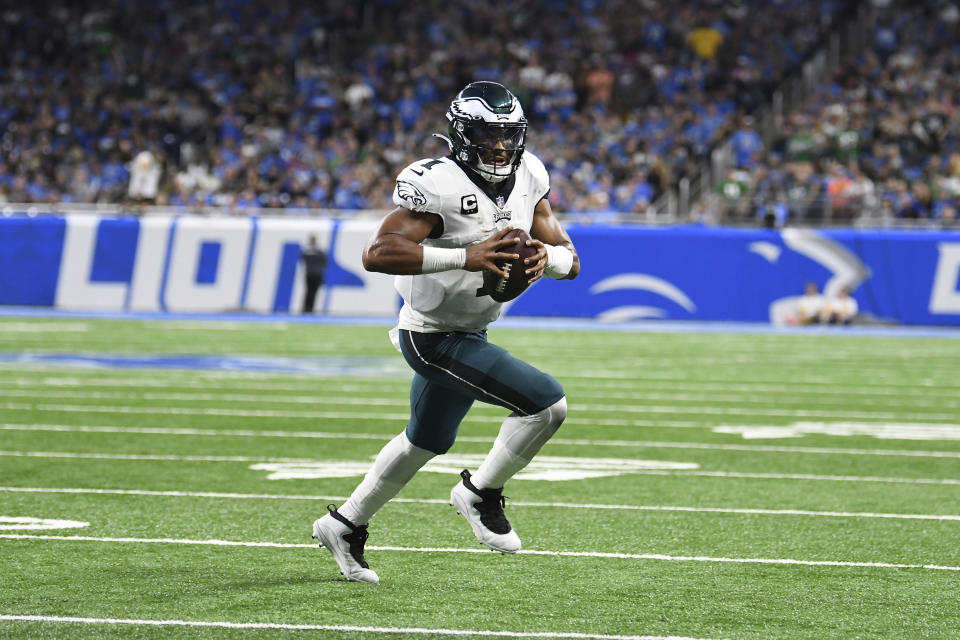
416,192
540,179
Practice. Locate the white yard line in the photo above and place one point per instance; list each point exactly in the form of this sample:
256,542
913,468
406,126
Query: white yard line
529,552
217,325
651,444
785,359
650,409
210,397
216,433
492,419
759,448
145,457
189,411
853,367
96,378
803,476
648,472
46,327
323,396
341,628
513,503
851,376
603,378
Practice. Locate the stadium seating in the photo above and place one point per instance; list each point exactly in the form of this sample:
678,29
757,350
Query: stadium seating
877,141
249,103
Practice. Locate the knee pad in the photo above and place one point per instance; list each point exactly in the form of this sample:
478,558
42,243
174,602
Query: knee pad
550,418
557,412
525,435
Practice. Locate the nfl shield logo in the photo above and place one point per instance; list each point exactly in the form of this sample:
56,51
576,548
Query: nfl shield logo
500,202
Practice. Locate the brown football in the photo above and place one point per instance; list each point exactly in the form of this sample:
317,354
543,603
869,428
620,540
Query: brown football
504,289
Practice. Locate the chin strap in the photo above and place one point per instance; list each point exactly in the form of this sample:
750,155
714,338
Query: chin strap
445,139
493,178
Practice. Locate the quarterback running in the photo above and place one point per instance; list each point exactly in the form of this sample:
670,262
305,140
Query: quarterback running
451,224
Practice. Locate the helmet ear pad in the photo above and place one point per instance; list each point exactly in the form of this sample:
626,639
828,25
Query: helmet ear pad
461,148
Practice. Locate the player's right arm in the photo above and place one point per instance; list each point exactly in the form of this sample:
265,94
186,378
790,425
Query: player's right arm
395,247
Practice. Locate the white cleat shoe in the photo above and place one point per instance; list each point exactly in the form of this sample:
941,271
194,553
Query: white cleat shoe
345,541
483,509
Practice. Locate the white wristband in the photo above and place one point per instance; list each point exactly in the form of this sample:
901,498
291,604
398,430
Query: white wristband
436,259
559,261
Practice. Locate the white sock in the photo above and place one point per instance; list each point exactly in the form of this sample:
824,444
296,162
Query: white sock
520,438
395,465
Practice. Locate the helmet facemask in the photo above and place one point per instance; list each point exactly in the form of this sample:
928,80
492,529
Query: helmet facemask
493,150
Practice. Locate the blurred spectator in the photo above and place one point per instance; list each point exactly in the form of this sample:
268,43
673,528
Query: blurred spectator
773,213
705,41
842,309
734,191
145,173
809,306
746,144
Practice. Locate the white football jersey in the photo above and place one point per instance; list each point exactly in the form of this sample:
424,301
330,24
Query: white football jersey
448,300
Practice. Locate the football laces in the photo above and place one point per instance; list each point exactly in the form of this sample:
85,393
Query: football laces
502,284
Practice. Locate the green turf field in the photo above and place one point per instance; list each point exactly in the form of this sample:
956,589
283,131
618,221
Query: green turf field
705,485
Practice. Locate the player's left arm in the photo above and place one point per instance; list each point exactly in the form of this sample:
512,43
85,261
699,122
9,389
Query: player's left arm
547,230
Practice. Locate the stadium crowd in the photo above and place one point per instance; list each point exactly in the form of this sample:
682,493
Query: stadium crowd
249,103
881,134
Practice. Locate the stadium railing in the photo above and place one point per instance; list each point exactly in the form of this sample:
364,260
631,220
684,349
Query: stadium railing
712,209
846,39
820,211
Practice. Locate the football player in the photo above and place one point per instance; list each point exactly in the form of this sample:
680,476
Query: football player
449,225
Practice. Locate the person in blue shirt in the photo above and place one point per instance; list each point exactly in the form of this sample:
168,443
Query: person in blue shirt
746,143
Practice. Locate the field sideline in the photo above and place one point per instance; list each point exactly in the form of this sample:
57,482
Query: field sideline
158,478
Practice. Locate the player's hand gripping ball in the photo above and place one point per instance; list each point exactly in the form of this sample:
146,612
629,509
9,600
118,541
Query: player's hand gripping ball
505,289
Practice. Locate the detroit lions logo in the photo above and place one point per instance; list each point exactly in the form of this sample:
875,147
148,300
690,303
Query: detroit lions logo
846,269
409,193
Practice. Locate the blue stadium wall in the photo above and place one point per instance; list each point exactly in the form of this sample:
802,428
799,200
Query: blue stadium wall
208,264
